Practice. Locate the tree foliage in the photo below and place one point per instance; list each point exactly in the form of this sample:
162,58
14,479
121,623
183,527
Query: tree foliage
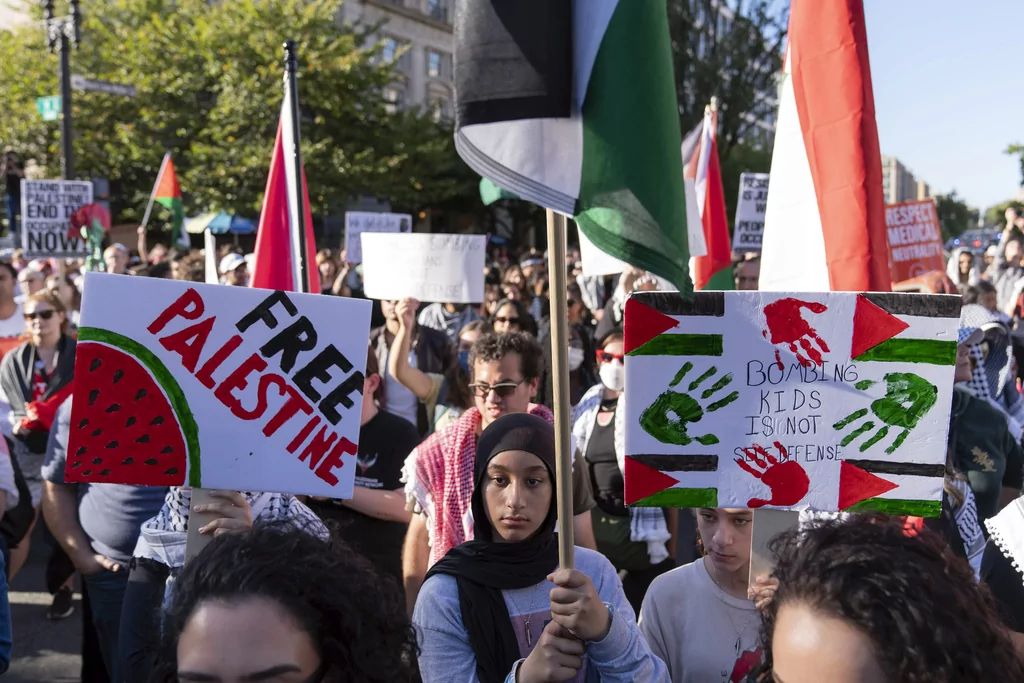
732,50
995,216
955,217
209,89
1017,151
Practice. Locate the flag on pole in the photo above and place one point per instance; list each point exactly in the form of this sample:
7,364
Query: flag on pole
167,193
710,268
578,113
275,255
825,221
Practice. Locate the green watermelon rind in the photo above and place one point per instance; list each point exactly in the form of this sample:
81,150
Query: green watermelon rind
165,380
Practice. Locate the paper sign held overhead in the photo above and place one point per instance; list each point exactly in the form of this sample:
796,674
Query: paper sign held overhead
46,208
424,266
750,209
358,222
915,240
826,401
179,383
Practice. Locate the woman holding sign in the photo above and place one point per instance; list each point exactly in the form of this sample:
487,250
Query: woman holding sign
498,608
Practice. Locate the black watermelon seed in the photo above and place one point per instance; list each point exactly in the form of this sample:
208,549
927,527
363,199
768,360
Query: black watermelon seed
97,431
77,464
173,470
118,374
130,422
143,439
97,461
83,423
112,444
141,395
96,362
80,451
158,420
151,461
86,473
128,461
113,408
93,395
104,473
167,449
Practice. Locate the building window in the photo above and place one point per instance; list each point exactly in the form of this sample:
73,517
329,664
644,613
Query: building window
438,9
394,99
439,65
390,50
396,52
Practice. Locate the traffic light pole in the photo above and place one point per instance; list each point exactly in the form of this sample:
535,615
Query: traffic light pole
62,35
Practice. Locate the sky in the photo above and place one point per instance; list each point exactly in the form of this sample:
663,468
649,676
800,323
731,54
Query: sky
949,92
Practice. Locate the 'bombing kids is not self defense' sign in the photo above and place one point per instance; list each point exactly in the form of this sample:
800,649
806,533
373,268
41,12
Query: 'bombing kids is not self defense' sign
179,383
829,401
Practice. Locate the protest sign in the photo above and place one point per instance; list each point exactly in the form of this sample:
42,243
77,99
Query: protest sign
915,241
829,401
46,208
597,262
750,210
358,222
428,267
181,383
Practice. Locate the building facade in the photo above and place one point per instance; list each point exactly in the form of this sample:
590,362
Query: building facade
899,183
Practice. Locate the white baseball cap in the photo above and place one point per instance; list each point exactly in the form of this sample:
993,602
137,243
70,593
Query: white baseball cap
231,262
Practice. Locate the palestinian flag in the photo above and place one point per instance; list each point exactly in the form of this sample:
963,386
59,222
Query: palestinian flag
167,193
829,401
825,221
711,267
577,112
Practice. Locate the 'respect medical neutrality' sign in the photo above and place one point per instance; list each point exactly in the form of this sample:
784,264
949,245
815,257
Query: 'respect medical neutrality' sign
750,210
46,208
915,240
180,383
805,401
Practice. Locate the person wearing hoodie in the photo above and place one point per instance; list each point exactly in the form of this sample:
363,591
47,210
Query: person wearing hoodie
961,268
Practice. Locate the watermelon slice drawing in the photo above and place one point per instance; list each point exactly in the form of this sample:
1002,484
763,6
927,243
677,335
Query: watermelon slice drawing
130,421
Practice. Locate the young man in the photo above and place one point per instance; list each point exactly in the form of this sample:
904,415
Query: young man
375,519
116,258
438,475
747,274
234,271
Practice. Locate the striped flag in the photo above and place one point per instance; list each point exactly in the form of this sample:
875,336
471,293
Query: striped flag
826,210
577,112
708,225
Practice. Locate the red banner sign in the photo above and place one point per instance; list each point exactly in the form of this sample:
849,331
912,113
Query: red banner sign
915,241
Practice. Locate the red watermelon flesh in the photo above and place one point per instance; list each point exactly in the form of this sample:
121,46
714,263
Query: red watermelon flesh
125,431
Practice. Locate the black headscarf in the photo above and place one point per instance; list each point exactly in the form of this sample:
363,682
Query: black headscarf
482,567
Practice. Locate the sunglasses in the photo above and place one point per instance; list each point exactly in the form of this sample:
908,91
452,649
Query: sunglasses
42,315
569,303
502,389
502,319
606,357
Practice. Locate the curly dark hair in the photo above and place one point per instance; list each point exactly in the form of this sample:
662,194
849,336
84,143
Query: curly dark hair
355,617
192,268
494,347
929,619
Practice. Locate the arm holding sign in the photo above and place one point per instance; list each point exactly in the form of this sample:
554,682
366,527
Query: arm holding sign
411,378
415,558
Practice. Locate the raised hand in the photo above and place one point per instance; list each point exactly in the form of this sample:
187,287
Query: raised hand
669,417
787,326
786,479
233,510
405,309
908,397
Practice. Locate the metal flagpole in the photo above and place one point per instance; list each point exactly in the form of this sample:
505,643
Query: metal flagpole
293,154
152,195
560,384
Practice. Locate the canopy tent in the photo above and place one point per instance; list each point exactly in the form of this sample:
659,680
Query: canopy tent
220,223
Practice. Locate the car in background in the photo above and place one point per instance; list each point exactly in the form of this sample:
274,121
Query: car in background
975,240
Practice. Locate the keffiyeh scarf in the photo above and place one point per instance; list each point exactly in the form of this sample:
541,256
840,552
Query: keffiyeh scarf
1007,531
992,378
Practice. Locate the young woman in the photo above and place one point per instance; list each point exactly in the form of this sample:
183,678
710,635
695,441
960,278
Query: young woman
280,606
498,608
636,540
63,287
511,316
698,617
921,617
328,267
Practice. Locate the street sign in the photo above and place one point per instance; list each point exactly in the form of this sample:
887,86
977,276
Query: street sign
96,85
49,107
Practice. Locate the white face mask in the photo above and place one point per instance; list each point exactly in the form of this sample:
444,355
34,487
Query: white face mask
575,358
613,375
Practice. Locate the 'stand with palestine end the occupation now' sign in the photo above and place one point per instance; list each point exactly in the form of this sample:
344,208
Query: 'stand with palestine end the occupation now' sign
46,208
915,240
424,266
358,222
750,210
830,401
179,383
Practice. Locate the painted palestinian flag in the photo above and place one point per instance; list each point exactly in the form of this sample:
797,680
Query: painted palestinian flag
577,113
167,193
825,401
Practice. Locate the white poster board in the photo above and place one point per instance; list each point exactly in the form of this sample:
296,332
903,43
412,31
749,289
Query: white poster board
183,383
358,222
424,266
750,210
595,261
46,208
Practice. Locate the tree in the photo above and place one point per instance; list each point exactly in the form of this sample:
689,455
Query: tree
209,89
995,216
730,49
1017,150
955,217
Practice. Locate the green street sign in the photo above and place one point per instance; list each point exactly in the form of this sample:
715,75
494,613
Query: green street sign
49,107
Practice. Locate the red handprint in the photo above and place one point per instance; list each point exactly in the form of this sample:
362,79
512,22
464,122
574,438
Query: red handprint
787,479
787,326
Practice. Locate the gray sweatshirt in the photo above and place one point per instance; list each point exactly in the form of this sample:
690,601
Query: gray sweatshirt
446,656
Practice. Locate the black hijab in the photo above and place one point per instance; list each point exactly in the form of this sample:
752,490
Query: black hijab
483,567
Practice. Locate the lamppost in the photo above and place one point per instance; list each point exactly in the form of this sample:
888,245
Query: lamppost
61,35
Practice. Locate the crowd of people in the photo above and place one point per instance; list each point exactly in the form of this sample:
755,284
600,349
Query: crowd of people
444,565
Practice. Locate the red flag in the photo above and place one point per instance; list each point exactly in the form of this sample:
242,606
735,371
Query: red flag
706,173
273,264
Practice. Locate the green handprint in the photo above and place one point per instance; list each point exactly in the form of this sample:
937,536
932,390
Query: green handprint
667,419
907,398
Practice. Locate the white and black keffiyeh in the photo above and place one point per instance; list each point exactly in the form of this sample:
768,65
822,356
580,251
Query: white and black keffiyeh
992,378
1007,531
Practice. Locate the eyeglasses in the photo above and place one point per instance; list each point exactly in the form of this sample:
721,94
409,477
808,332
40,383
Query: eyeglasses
606,357
44,315
502,389
502,319
569,303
